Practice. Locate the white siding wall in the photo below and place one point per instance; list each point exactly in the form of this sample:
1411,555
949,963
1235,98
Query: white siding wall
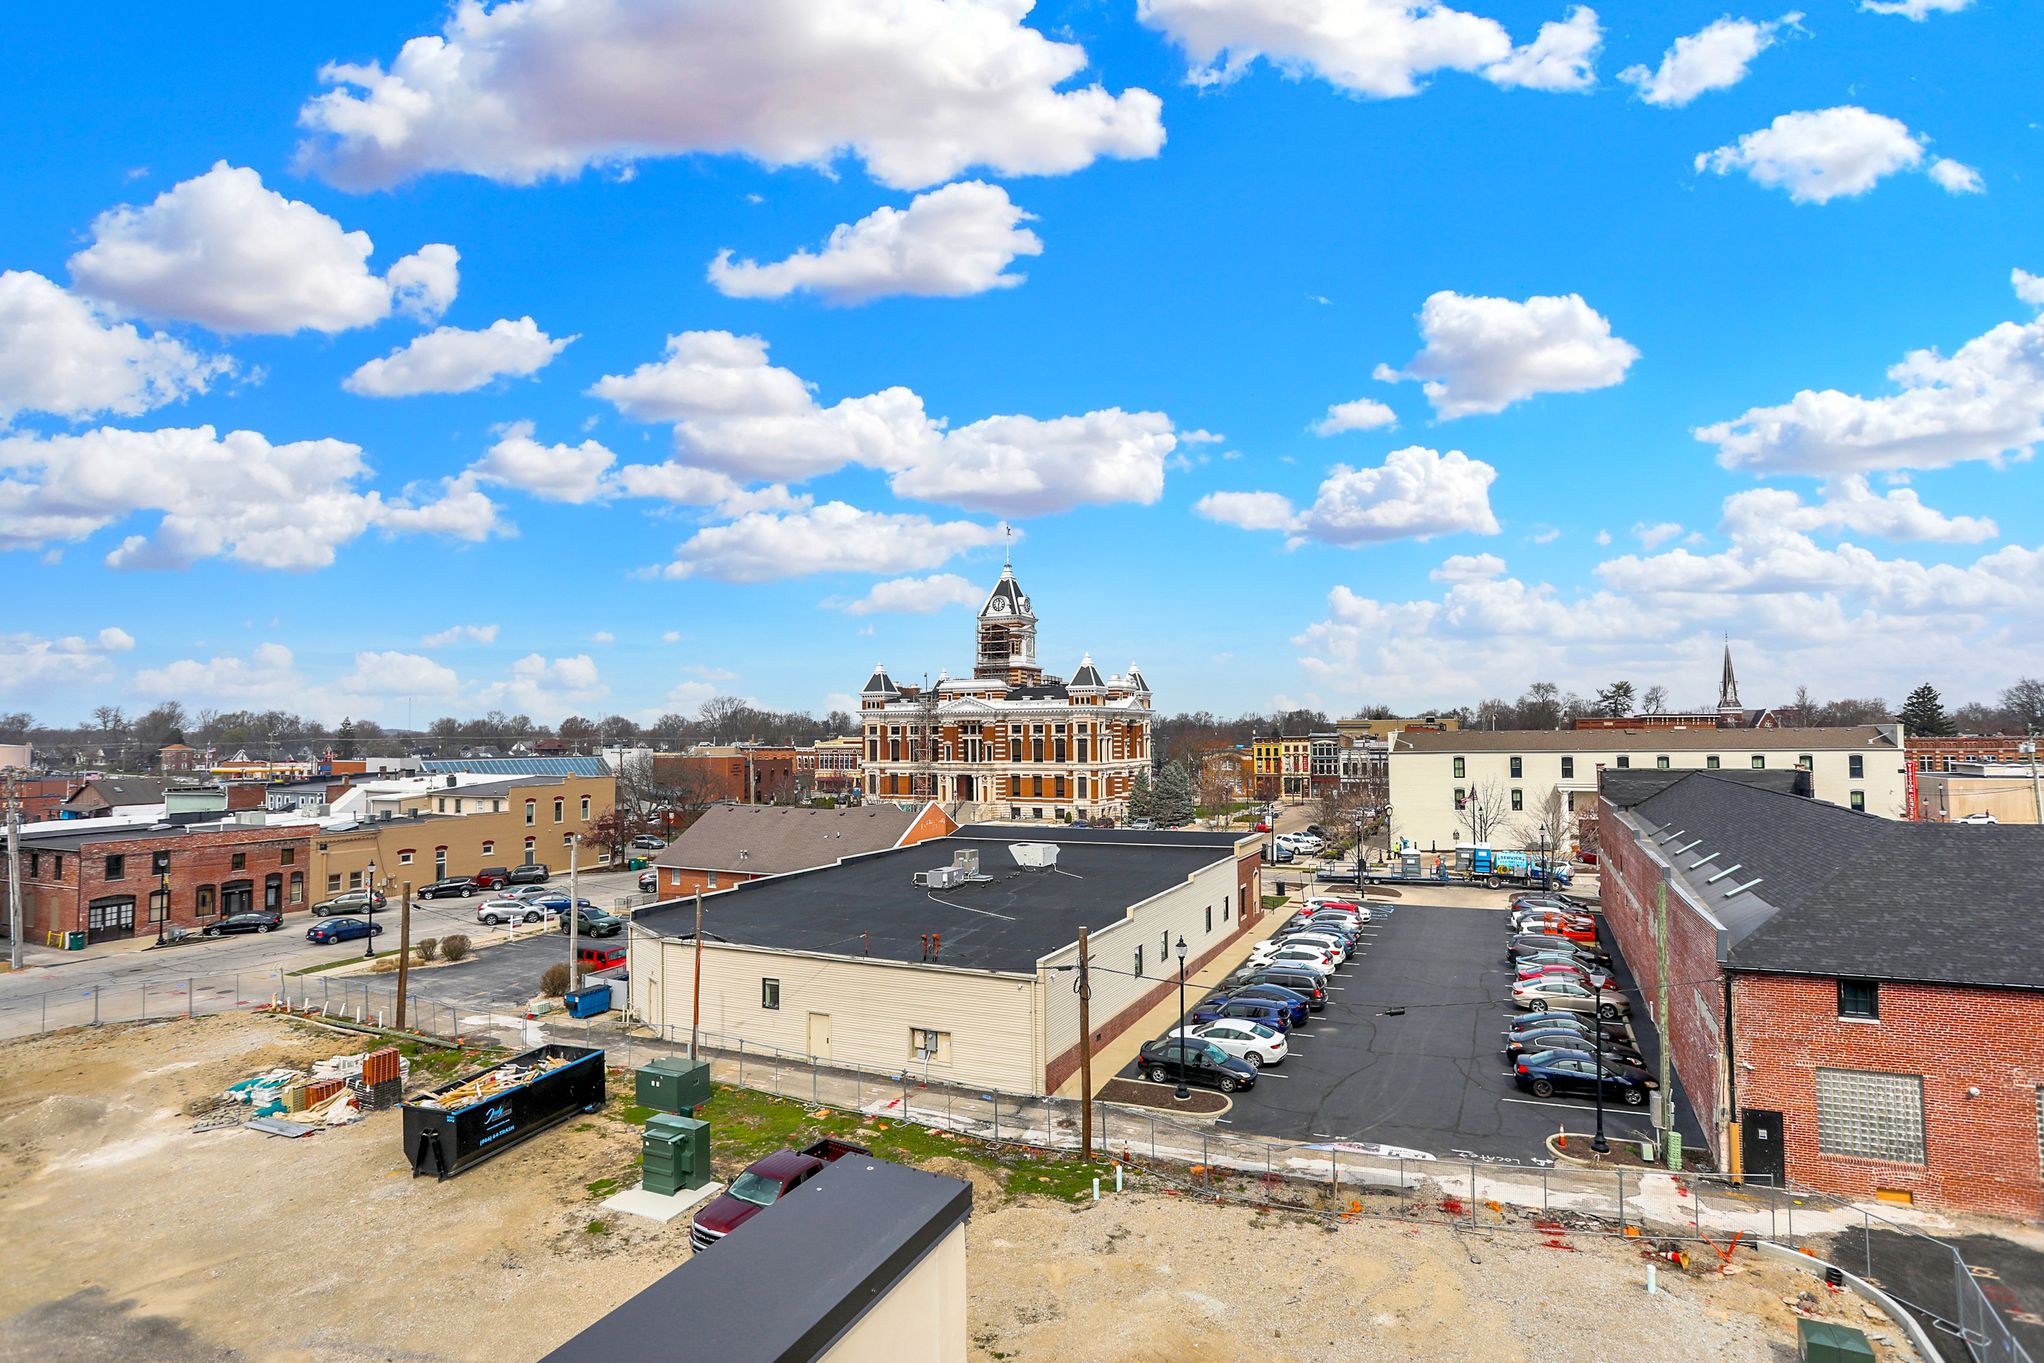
1423,784
872,1006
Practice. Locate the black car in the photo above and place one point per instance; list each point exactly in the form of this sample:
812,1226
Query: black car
453,887
1169,1059
531,874
1533,1043
1302,982
1551,1072
1614,1033
649,882
1526,943
244,922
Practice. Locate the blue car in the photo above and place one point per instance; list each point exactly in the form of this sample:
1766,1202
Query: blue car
1271,993
341,930
1275,1016
1551,1072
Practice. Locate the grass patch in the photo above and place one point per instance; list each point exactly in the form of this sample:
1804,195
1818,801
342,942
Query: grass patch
336,965
602,1187
597,1228
1272,901
632,1113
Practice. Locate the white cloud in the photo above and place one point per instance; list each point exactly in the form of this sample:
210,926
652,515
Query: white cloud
1018,465
1984,402
1544,534
1469,568
236,496
1561,57
672,636
603,636
832,538
461,634
949,243
1712,59
1832,153
2029,287
558,473
223,251
741,418
1654,536
1417,493
268,675
450,360
1955,177
1248,510
1381,48
913,596
32,665
58,355
1364,414
1199,437
1918,10
919,90
399,674
546,689
1849,504
1483,354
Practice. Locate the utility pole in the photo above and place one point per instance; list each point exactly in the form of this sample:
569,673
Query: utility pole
404,950
1085,1052
1661,1008
13,874
574,908
695,1014
2029,748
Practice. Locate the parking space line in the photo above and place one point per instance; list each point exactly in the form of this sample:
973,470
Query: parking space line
1572,1107
1266,1074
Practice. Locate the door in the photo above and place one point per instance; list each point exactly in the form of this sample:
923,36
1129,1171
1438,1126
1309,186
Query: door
1761,1151
107,919
819,1035
440,863
273,892
237,897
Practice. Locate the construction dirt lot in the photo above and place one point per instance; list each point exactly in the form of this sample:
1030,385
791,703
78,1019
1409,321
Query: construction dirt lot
132,1237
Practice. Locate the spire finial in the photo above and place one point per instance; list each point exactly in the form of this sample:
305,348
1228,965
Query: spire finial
1008,546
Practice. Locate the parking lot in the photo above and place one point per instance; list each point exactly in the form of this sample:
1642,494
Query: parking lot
1431,1078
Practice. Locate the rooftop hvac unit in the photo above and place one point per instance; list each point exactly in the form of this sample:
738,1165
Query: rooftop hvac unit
966,862
942,878
1036,856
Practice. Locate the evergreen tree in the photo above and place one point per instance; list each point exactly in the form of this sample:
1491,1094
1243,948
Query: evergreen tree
1141,801
1924,713
344,740
1615,700
1174,801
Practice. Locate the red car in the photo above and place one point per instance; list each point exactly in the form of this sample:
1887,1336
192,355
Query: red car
1314,908
1263,828
764,1182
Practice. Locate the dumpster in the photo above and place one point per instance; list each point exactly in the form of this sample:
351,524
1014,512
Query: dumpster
677,1085
637,864
74,941
589,1001
453,1128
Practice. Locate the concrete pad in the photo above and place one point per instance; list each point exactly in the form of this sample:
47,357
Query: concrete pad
654,1207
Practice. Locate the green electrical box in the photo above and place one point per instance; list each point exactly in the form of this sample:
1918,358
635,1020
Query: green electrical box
1820,1341
679,1086
676,1153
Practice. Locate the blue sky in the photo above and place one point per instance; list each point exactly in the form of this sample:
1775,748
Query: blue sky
1625,341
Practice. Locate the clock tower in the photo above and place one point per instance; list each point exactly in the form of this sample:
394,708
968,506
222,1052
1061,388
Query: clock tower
1007,635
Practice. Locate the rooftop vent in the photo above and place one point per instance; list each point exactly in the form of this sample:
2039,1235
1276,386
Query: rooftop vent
942,878
1035,856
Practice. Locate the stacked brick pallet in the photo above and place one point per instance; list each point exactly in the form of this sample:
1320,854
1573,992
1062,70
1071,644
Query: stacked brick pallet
382,1082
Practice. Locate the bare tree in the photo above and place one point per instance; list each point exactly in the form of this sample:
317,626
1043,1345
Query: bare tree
1654,701
1552,813
1484,811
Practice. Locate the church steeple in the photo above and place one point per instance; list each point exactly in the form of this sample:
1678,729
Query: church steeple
1729,708
1007,634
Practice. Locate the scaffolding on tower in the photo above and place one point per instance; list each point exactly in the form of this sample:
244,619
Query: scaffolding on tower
923,746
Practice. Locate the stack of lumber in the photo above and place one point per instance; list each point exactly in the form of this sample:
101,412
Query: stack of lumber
490,1083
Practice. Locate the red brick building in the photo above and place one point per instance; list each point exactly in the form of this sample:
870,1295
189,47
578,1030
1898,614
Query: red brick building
111,883
1853,1004
744,774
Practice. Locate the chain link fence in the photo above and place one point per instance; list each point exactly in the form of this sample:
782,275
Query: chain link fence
367,1000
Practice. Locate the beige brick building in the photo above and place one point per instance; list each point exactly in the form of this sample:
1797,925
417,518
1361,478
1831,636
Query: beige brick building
459,829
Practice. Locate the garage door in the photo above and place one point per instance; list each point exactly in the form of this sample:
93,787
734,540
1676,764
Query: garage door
1869,1115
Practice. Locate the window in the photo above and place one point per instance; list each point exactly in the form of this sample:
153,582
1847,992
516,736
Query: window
1711,762
1856,766
585,809
117,867
1859,999
1224,907
1210,918
490,849
1807,762
287,857
404,858
354,880
1139,963
1518,767
35,865
1460,797
560,810
567,839
240,861
333,883
1518,798
1164,946
1759,762
159,863
712,881
1660,764
159,905
1862,1114
1568,768
1461,769
770,994
930,1047
298,887
531,811
1623,762
1858,800
203,904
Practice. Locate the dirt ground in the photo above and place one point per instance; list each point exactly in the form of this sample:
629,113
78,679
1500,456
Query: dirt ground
131,1237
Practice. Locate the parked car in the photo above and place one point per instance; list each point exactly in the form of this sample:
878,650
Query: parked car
262,921
452,887
1261,827
1269,1012
1336,945
1171,1058
1290,999
1141,825
1552,899
351,901
649,881
646,842
525,894
1568,996
1526,942
1573,930
1614,1031
1552,1072
1564,970
1317,831
1306,956
1241,1039
532,873
492,877
594,922
1280,854
1555,1039
765,1181
1307,983
1526,958
497,912
342,930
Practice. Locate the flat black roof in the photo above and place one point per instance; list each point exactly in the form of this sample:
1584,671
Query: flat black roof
870,906
792,1280
1122,837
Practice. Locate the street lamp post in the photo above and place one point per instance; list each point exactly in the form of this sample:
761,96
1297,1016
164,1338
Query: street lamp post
1599,1144
1546,882
369,915
1184,1041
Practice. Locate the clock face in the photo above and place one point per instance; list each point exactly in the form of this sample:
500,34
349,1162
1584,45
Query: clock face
1000,605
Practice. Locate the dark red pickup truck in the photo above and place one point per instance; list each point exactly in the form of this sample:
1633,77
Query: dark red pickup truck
764,1182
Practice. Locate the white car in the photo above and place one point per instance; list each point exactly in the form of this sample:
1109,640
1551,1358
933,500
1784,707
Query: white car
1569,996
497,912
1313,955
1980,817
1338,908
1241,1039
1326,941
1300,842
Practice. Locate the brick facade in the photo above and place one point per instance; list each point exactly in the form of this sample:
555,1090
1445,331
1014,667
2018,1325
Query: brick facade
1981,1154
109,887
